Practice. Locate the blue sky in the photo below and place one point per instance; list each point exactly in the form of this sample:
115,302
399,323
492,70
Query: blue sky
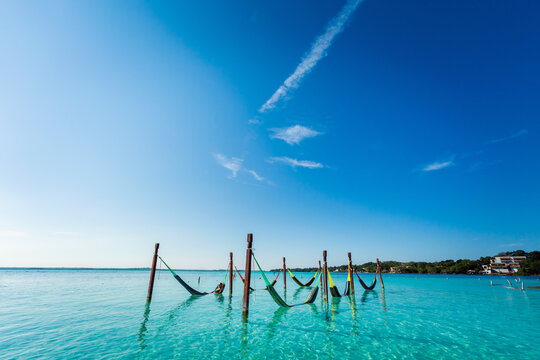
391,129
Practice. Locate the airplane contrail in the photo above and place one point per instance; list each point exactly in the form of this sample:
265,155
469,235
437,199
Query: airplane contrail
316,53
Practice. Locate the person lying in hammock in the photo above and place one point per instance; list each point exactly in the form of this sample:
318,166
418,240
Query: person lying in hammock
219,288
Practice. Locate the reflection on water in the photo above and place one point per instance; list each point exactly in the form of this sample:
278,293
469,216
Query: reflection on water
98,314
365,295
142,329
352,304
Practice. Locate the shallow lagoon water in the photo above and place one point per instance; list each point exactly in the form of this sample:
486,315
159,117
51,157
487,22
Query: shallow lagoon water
101,314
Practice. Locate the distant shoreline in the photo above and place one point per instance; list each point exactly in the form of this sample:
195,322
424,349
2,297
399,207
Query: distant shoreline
205,270
90,268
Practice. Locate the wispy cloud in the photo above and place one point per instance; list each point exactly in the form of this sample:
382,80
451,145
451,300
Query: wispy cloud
294,134
438,165
235,165
511,245
296,163
512,136
12,234
255,175
317,52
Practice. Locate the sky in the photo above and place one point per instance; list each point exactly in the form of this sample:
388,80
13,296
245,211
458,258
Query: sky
399,130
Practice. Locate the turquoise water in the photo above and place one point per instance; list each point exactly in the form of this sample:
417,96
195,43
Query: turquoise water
61,314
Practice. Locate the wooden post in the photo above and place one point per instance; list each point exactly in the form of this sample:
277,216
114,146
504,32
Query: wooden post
351,275
325,276
380,276
247,275
230,274
284,274
320,279
152,274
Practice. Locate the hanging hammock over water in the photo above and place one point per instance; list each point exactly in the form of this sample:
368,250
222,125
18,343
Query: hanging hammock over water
242,278
311,298
299,282
333,288
219,288
370,287
347,290
252,289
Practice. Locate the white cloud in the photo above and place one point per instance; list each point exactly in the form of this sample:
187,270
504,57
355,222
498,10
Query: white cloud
12,234
294,163
438,165
511,245
235,166
294,134
255,175
513,136
317,52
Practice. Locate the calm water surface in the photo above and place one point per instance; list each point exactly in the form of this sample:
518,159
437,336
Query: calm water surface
65,314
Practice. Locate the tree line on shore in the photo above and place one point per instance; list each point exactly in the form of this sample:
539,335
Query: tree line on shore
531,266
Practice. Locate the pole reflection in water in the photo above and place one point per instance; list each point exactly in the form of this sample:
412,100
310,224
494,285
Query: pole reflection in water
142,329
171,316
384,307
352,304
332,308
354,327
244,334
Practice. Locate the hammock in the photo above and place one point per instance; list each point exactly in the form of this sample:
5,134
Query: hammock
242,278
347,290
370,287
252,289
333,288
311,298
219,288
299,282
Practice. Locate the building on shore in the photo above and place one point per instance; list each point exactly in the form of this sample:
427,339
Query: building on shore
503,265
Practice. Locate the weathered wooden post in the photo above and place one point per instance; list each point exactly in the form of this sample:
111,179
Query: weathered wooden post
247,275
325,276
230,274
152,274
351,275
380,276
284,274
320,270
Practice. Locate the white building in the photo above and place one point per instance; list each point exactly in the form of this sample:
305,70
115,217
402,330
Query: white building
503,265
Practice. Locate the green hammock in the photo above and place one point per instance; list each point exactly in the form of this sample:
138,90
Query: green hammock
299,282
219,289
252,289
311,298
